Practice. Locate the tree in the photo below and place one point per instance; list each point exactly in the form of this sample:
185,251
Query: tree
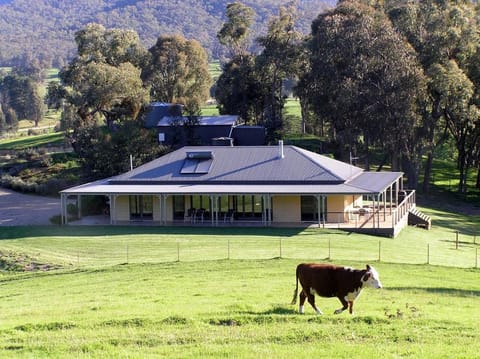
115,92
366,84
104,154
440,32
97,44
103,81
455,92
235,33
21,94
278,61
56,94
177,72
238,90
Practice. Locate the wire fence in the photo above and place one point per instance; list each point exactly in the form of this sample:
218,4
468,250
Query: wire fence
459,251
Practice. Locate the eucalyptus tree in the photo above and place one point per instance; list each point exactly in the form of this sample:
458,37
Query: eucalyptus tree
278,61
8,120
104,154
441,32
462,115
238,90
103,81
235,33
103,84
177,72
21,94
366,82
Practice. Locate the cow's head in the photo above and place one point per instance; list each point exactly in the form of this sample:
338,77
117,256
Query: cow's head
371,278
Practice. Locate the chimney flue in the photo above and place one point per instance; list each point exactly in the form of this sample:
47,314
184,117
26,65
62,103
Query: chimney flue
280,149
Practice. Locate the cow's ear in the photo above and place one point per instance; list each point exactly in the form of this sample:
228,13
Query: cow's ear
368,267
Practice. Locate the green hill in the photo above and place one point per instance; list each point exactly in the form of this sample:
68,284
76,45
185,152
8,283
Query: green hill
45,29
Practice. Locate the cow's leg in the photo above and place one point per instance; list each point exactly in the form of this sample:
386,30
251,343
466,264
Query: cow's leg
345,305
311,300
301,308
350,306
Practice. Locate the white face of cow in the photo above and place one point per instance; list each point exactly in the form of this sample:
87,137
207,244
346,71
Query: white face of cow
371,278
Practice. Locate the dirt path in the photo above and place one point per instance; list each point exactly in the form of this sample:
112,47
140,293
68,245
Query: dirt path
17,209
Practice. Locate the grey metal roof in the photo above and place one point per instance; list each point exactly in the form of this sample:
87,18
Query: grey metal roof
222,120
104,187
245,170
375,181
248,164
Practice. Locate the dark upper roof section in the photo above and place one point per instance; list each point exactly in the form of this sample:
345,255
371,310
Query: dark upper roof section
222,120
247,164
158,110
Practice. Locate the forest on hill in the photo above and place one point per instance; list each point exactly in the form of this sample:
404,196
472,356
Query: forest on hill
45,29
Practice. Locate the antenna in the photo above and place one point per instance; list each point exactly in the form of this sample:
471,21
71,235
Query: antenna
352,158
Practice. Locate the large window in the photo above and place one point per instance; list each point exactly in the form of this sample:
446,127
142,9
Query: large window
309,208
248,206
141,207
178,207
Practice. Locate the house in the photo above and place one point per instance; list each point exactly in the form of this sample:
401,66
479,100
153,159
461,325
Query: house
254,186
174,129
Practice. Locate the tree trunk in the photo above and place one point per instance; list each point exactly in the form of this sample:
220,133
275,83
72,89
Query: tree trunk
462,168
477,184
367,153
427,173
411,172
303,113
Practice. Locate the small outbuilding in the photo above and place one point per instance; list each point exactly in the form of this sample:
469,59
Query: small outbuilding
175,129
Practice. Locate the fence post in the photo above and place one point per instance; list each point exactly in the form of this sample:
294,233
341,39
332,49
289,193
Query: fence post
428,253
379,251
456,240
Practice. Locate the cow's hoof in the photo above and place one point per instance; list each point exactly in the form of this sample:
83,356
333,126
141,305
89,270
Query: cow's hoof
338,311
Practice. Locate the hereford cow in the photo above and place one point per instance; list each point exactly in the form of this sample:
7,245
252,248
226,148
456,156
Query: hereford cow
328,280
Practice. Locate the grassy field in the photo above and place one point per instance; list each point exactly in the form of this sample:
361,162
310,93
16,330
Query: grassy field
21,143
124,292
236,308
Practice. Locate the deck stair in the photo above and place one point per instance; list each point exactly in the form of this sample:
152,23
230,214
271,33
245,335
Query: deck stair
419,219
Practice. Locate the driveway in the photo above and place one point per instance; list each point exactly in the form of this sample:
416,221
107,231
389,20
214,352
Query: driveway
18,209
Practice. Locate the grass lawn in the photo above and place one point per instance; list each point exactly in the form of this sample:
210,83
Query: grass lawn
21,143
234,308
214,292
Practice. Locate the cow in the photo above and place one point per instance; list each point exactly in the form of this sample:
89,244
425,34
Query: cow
329,280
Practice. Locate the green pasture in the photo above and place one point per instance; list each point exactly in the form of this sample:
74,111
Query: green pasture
22,143
234,308
215,69
136,292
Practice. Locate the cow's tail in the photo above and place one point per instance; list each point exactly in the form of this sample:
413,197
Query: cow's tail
295,292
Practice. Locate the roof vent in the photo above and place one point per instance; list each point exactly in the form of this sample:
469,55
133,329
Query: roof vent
280,149
200,155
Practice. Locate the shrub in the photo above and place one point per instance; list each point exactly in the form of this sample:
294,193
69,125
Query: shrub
57,220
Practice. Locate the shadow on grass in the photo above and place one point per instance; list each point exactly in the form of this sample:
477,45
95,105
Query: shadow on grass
447,291
100,231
